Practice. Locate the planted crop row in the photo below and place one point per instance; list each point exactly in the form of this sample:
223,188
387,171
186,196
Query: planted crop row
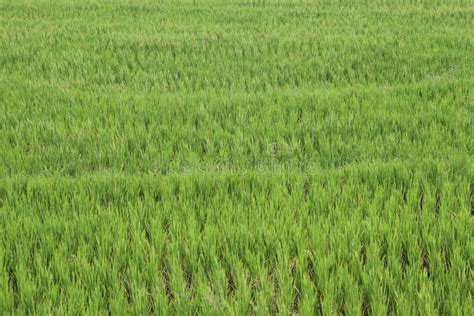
367,239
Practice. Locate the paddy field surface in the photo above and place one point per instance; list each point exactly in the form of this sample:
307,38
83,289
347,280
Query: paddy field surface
240,157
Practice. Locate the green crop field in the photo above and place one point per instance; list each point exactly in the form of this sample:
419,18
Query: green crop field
311,157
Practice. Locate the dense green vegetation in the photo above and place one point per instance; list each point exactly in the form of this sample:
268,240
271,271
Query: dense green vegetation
290,157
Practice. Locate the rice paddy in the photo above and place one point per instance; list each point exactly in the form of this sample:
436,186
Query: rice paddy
242,157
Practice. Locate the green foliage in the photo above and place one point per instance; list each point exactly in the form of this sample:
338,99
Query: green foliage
242,157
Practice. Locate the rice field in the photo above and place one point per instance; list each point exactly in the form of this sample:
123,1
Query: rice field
241,157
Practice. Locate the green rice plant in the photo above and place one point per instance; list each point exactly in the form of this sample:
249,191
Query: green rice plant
242,157
367,238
